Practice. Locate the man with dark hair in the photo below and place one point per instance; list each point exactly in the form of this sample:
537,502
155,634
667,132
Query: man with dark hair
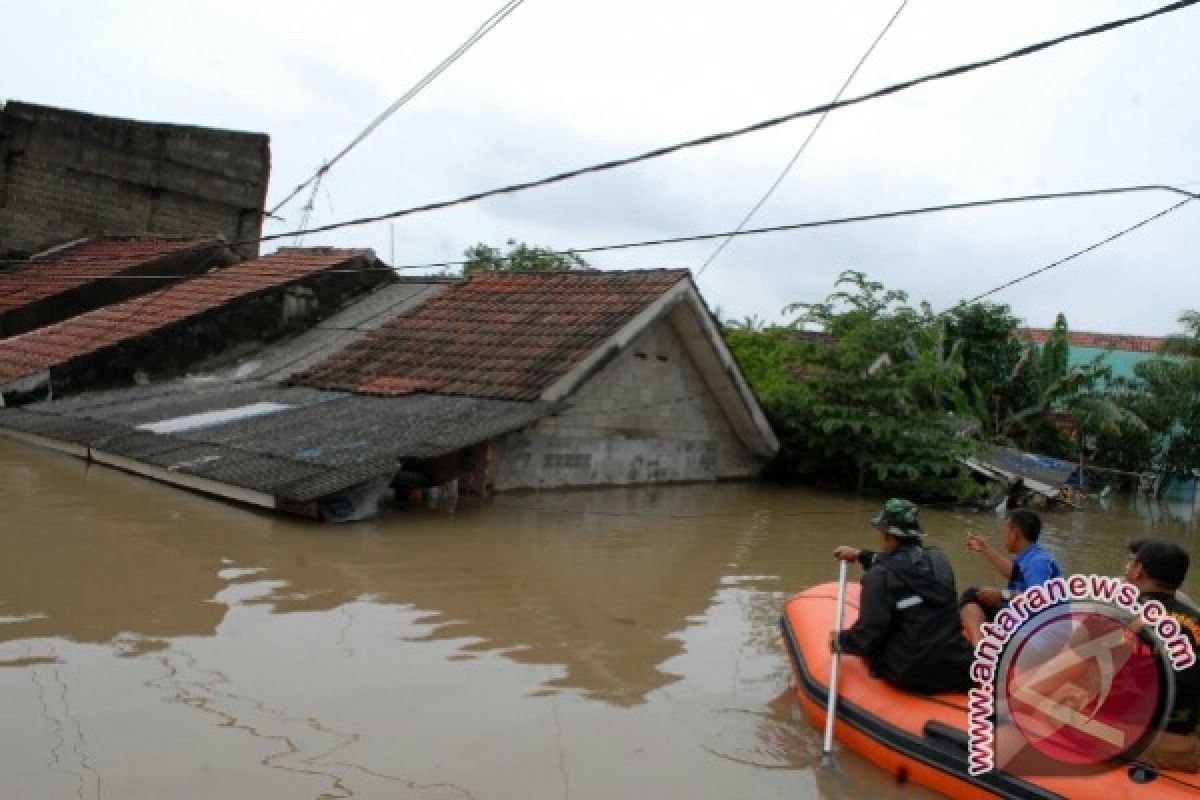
1157,568
1030,565
908,629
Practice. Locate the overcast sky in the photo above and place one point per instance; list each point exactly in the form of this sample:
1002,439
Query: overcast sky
561,84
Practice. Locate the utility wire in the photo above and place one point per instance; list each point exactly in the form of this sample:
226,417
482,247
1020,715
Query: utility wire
34,277
803,145
483,30
896,88
1096,245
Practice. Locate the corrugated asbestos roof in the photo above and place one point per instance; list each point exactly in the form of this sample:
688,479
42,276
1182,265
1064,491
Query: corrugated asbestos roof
499,335
31,353
322,443
81,264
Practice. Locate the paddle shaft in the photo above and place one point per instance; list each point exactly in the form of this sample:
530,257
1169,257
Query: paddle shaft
831,709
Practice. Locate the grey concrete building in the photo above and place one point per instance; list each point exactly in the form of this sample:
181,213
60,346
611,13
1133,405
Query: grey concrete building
67,174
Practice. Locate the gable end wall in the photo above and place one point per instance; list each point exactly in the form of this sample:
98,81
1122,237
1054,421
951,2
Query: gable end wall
647,417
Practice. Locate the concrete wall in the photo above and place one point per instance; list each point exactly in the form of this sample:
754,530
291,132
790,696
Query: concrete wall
65,174
647,417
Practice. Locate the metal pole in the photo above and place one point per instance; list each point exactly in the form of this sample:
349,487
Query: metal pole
831,709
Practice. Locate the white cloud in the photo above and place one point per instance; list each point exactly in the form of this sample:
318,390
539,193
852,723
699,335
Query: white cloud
559,85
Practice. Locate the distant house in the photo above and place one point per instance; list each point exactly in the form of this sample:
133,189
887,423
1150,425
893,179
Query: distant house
493,383
90,273
1120,352
67,174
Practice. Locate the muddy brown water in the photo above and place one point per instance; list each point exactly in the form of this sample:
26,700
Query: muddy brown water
600,644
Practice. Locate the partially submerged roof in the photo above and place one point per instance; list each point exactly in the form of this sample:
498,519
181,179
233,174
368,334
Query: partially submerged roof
538,336
428,369
280,360
107,265
278,447
28,356
502,335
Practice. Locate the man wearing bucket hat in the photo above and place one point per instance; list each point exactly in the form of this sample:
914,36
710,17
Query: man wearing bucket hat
908,626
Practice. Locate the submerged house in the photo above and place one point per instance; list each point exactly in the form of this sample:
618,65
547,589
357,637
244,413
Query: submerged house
498,382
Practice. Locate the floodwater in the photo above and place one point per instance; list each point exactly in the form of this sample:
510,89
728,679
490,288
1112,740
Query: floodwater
600,644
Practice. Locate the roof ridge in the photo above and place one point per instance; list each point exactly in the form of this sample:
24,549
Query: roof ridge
1032,330
70,247
582,273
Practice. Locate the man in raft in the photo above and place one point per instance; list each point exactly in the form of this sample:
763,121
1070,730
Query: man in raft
1030,565
1157,568
908,626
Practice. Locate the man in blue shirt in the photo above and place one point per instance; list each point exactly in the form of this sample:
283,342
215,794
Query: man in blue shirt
1031,565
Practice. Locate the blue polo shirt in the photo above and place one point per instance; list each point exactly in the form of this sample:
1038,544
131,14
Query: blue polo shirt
1034,566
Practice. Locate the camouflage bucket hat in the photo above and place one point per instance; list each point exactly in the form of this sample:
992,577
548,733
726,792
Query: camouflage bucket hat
899,518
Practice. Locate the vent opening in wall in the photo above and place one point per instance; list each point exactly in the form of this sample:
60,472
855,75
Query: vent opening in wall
567,460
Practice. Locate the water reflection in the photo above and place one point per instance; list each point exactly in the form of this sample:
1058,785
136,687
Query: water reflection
588,644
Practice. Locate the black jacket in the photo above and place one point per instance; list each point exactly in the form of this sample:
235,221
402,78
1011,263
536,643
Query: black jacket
1184,717
908,627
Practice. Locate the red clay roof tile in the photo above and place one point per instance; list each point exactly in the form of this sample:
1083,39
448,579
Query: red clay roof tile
86,262
30,353
1106,341
499,335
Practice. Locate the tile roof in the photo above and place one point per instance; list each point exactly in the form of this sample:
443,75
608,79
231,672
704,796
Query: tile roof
30,353
83,263
501,335
1104,341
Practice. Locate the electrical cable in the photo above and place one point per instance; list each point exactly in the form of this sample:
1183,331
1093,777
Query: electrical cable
1046,268
483,30
803,145
883,215
895,88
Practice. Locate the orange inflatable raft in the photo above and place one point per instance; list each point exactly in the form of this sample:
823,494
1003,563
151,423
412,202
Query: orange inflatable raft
923,739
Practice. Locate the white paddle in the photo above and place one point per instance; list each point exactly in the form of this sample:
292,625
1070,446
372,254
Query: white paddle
831,709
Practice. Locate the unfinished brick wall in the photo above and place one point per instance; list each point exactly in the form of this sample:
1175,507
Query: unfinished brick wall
66,174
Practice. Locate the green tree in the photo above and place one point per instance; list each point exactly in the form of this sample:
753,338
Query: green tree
1129,446
519,258
996,385
861,389
1170,398
1084,393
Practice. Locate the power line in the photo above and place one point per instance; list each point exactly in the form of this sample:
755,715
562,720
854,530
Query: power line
963,69
33,277
910,212
1096,245
803,145
483,30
